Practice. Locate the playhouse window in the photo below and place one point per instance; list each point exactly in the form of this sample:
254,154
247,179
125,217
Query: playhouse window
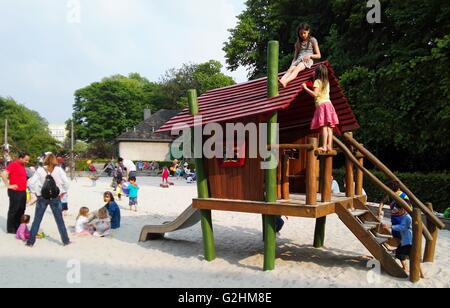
238,159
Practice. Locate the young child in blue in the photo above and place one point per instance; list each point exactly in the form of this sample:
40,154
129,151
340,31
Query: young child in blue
113,210
133,189
404,228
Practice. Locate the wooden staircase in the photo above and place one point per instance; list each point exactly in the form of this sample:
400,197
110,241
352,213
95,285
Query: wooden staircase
367,228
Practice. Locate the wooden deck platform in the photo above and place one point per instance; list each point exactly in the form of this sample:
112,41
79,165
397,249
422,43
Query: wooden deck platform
294,207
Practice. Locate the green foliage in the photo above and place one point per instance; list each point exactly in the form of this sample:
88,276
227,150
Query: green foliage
28,131
433,187
395,74
103,110
203,77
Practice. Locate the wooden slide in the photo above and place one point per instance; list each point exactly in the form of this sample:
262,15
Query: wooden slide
187,219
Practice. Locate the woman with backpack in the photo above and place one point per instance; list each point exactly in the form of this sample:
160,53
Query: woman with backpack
50,184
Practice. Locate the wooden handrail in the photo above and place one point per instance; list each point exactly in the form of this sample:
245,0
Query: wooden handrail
383,168
307,147
380,184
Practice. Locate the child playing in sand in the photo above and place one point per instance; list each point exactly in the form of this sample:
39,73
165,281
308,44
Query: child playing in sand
102,224
82,227
133,189
306,51
325,117
23,233
405,229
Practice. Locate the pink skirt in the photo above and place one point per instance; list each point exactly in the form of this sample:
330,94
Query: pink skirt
325,115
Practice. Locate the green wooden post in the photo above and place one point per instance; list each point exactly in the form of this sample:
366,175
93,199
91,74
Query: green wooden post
271,174
319,232
203,190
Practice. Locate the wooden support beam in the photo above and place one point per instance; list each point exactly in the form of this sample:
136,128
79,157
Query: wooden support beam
349,176
285,177
359,179
280,181
430,247
203,189
326,174
416,251
270,236
311,175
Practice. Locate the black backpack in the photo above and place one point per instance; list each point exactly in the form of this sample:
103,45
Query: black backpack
50,190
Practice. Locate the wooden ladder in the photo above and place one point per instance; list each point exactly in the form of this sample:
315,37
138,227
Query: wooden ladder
366,227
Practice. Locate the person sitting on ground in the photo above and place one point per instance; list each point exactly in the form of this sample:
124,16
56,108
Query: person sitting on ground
113,210
82,227
23,233
102,224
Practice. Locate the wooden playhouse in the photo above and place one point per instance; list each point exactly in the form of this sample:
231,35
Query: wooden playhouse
300,185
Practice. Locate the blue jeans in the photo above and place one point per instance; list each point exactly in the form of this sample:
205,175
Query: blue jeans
41,207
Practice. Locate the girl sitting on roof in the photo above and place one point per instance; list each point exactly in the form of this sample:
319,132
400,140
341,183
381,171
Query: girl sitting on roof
325,117
306,51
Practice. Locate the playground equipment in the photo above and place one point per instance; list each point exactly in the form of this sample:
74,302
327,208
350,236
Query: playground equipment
187,219
300,185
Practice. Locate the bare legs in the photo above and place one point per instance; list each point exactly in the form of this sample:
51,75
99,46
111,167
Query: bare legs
327,134
291,74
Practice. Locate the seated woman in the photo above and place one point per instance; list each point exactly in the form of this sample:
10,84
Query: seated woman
113,210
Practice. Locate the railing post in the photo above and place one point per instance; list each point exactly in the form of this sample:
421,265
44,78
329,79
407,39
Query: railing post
349,175
359,179
326,174
311,173
430,247
416,251
280,181
285,178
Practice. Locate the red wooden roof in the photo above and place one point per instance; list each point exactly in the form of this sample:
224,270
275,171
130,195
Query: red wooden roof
250,98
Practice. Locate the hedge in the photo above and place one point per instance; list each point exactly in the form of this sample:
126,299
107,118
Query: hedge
434,187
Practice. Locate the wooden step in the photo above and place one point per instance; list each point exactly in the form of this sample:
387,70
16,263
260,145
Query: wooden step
386,236
381,240
358,213
369,226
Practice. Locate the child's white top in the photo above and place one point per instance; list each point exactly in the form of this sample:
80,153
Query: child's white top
80,225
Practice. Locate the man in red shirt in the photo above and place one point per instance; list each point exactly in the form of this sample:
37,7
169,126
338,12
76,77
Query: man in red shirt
15,178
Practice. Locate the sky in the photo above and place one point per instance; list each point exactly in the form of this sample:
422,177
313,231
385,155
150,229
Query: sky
51,48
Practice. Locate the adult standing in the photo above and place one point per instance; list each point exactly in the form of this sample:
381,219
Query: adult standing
129,166
15,178
41,182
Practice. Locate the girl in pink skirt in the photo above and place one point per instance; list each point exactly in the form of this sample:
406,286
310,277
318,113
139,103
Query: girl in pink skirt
325,117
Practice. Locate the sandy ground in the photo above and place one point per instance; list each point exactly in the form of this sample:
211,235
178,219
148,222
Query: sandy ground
120,261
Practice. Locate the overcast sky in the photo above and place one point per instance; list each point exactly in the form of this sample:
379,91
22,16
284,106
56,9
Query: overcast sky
48,50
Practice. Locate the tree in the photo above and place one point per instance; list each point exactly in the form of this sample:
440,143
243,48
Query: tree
203,77
395,74
28,131
103,110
